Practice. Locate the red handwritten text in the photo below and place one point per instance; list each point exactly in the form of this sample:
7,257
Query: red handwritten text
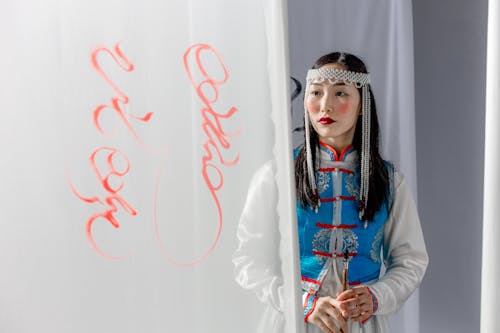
113,196
122,61
111,178
217,138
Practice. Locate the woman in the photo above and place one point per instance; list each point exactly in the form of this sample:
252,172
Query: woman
354,211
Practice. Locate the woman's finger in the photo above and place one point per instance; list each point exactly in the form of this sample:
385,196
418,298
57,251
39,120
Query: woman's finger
349,305
339,319
366,308
353,292
324,327
355,312
345,295
359,297
366,298
325,316
335,320
359,310
362,318
325,323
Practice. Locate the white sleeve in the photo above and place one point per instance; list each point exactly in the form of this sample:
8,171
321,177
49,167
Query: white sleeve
405,255
257,259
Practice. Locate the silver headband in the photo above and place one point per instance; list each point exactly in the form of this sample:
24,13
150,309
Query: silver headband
334,76
358,80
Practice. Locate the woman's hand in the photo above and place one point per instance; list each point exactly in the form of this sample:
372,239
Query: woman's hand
356,303
327,316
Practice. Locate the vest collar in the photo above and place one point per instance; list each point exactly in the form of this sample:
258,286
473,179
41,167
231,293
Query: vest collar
334,156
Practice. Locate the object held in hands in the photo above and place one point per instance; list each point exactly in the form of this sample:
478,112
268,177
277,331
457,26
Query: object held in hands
345,285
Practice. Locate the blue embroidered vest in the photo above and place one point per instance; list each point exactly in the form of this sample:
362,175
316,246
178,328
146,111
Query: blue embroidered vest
326,235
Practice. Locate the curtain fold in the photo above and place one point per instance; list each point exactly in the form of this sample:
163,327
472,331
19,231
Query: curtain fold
490,291
278,67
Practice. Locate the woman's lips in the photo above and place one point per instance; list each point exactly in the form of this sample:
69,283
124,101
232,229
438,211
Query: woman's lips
326,121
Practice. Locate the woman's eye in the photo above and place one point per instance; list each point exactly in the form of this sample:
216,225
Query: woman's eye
340,93
315,93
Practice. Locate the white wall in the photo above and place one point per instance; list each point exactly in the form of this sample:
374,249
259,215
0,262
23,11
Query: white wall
450,61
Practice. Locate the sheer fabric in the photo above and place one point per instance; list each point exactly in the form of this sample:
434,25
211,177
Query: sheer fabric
130,132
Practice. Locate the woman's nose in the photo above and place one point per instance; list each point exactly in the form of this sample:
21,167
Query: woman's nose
327,104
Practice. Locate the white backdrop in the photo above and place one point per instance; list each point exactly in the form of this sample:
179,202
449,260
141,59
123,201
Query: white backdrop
381,33
130,131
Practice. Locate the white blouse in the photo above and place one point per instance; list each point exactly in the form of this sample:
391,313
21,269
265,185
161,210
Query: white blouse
258,264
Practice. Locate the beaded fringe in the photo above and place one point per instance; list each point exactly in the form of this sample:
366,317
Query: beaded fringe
365,152
359,80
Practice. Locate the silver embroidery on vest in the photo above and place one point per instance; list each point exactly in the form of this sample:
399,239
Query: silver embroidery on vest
323,181
375,251
321,243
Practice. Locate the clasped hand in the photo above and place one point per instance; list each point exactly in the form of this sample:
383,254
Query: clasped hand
331,314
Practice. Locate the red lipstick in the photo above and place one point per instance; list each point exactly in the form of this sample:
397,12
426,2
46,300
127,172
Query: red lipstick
326,120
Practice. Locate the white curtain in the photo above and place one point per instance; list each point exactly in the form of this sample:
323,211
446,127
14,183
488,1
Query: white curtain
490,290
381,33
130,132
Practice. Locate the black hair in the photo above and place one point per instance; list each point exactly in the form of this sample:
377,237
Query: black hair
379,180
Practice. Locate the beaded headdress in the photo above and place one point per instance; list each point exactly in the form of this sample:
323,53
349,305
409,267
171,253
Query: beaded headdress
358,80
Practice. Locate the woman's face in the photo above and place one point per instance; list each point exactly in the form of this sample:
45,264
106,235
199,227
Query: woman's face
333,110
